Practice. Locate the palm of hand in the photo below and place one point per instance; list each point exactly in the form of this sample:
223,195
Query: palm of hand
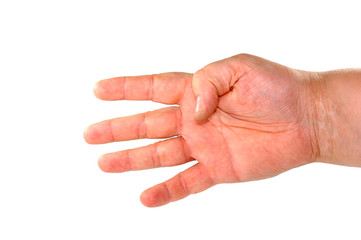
255,132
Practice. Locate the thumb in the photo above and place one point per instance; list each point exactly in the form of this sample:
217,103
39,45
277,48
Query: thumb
217,79
206,96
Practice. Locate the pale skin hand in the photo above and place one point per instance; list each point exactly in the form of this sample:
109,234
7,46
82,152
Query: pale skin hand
252,122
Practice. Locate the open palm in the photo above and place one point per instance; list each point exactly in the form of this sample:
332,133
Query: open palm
250,123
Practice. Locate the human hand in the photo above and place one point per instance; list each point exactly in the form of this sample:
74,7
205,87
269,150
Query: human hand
251,122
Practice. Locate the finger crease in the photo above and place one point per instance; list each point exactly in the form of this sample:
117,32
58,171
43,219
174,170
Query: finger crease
186,151
112,130
155,156
183,184
180,97
129,161
151,88
167,190
142,127
219,91
179,123
206,176
124,87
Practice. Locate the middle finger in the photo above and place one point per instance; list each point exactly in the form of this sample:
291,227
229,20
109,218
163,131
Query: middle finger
161,123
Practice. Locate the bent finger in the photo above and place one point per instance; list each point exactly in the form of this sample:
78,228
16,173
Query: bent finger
215,80
190,181
170,152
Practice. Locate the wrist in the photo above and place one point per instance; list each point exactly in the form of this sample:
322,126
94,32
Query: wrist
315,121
334,114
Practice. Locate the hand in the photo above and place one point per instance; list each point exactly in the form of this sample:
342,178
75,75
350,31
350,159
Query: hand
251,122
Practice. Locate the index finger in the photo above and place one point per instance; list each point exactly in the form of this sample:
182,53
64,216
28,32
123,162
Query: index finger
165,88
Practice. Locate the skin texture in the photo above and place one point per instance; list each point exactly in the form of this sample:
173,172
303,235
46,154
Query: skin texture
243,118
340,134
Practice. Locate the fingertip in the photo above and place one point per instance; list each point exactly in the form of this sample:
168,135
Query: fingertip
154,197
109,89
200,116
97,133
90,134
145,200
102,164
86,135
113,163
204,108
98,89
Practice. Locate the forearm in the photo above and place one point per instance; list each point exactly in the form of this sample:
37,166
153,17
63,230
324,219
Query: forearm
338,117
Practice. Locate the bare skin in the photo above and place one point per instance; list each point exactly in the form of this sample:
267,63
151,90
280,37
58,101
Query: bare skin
243,118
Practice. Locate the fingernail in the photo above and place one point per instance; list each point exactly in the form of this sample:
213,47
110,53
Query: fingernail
199,112
198,105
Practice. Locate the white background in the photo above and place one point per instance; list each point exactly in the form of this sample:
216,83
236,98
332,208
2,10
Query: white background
51,54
